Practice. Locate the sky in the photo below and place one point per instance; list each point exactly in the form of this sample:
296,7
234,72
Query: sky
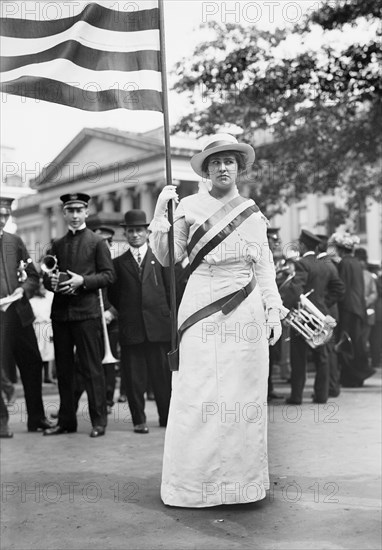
37,131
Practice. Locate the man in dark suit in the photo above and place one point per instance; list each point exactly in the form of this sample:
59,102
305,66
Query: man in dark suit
140,295
334,370
352,312
84,259
19,280
311,274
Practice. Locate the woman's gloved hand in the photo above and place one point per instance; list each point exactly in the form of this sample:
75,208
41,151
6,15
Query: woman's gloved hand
168,193
273,326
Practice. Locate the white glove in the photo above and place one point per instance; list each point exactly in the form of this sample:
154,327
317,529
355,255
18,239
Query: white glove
273,326
168,193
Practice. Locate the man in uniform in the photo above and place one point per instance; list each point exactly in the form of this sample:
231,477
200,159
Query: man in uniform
311,274
84,258
19,280
141,296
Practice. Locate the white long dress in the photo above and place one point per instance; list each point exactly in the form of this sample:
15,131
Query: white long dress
216,439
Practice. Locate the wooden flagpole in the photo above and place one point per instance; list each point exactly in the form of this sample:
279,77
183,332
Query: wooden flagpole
174,327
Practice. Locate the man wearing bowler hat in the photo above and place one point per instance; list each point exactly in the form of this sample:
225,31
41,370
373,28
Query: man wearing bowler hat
141,296
84,259
311,274
18,281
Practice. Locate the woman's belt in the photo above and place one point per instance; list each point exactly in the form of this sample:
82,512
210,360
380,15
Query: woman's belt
226,304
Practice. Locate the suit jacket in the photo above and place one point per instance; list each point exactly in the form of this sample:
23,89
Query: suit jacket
317,275
142,302
88,255
351,272
13,251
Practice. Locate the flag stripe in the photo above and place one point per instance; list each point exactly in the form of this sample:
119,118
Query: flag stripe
84,61
94,14
65,71
58,92
88,58
85,34
43,10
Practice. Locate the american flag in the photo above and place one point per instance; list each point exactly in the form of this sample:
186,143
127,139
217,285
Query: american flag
87,55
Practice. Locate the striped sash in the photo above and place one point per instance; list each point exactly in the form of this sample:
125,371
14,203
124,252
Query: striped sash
218,227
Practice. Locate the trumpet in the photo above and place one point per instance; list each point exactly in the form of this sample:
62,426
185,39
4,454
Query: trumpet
108,356
315,327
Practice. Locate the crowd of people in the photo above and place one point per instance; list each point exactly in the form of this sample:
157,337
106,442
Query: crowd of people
335,275
233,319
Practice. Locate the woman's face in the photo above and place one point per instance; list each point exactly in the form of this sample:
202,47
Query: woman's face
222,170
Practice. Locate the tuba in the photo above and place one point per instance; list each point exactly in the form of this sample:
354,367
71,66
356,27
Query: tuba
315,327
108,358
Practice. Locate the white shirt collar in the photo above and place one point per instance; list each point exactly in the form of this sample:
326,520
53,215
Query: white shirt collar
321,255
142,251
74,231
309,253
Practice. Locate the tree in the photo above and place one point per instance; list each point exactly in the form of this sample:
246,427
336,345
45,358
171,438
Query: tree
321,108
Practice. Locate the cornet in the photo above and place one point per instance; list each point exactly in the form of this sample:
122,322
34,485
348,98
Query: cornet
108,357
315,327
49,265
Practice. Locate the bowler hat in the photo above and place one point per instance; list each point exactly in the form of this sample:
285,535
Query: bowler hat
135,218
309,239
75,198
218,143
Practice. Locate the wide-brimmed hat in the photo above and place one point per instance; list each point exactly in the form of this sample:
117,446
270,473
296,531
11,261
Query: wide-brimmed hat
344,240
135,218
218,143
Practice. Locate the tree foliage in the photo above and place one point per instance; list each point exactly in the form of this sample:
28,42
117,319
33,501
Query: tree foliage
320,109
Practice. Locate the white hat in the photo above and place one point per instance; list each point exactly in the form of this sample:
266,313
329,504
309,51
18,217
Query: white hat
217,143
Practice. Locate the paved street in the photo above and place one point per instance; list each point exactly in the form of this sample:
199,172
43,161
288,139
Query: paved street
72,492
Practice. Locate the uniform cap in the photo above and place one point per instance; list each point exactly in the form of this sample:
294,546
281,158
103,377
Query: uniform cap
309,239
75,198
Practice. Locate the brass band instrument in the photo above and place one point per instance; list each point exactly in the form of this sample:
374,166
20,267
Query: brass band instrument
49,265
315,327
108,356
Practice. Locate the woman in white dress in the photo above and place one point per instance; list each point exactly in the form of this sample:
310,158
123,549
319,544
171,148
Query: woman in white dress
216,438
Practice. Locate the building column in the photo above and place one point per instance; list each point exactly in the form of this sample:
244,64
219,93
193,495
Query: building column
147,200
60,222
45,233
126,200
373,230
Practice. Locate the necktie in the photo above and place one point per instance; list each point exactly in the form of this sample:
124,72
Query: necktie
139,260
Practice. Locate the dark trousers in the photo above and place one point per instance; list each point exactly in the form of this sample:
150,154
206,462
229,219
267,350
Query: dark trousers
108,370
20,343
138,362
334,368
86,336
375,341
354,370
298,358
